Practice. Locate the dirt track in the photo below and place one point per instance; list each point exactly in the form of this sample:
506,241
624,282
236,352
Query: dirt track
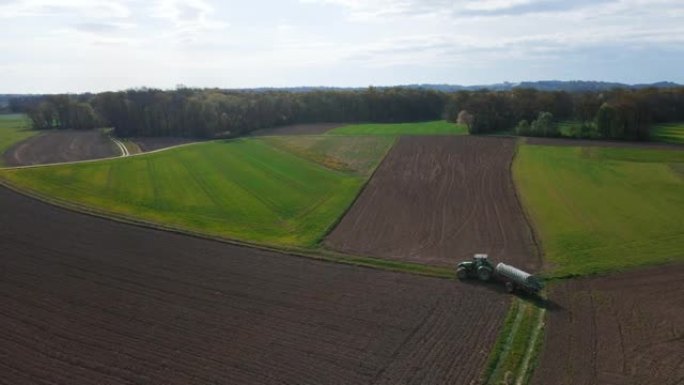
61,146
148,144
438,200
89,301
299,129
623,329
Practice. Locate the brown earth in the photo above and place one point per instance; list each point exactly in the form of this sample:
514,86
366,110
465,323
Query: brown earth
618,330
439,200
61,146
602,143
299,129
148,144
85,300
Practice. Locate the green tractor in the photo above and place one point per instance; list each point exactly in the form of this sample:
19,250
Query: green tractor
479,268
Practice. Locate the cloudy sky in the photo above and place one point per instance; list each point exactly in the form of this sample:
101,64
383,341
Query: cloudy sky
96,45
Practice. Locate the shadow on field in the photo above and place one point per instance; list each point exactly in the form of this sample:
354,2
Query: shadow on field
498,287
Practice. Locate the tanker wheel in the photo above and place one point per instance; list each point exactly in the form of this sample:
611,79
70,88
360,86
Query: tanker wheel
461,273
509,286
484,274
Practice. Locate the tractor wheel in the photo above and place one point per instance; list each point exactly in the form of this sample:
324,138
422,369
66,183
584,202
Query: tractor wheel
510,286
461,273
484,274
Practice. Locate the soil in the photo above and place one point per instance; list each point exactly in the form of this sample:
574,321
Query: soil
614,330
439,200
299,129
84,300
148,144
602,143
61,146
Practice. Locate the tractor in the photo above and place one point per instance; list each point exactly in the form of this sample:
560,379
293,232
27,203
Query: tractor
513,278
479,268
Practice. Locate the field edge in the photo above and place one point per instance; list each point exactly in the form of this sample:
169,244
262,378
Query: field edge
315,253
320,241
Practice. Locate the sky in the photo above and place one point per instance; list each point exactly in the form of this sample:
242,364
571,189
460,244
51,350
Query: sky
52,46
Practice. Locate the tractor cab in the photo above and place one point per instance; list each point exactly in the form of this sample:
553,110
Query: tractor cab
479,268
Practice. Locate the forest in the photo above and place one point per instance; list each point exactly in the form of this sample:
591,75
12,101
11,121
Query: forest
626,114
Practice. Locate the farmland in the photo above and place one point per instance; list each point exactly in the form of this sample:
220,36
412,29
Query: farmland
61,146
244,189
86,300
357,154
599,209
621,329
439,200
14,128
673,133
394,129
179,309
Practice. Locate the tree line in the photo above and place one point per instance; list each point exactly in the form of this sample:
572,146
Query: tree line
617,114
216,113
209,113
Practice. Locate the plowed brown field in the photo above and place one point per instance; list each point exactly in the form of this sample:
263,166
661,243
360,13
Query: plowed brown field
617,330
61,146
438,200
90,301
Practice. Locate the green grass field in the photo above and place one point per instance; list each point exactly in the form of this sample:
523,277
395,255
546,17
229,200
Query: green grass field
602,209
358,154
245,189
673,133
13,129
422,128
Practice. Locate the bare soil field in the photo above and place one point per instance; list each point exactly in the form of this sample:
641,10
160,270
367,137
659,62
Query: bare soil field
148,144
439,200
299,129
602,143
85,300
61,146
615,330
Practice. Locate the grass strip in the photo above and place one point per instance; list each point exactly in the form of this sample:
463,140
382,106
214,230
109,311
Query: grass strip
514,356
440,127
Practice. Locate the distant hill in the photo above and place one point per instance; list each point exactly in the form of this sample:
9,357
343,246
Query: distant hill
542,85
546,85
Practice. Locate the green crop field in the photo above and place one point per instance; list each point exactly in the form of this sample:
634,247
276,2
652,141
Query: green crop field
422,128
13,129
673,133
601,209
359,154
245,189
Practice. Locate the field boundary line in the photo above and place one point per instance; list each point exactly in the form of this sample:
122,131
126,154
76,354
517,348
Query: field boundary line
339,219
534,234
319,254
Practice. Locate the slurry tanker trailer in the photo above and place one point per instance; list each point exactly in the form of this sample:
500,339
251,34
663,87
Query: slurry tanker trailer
513,278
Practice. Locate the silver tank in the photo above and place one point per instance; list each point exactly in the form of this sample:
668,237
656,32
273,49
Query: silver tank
518,276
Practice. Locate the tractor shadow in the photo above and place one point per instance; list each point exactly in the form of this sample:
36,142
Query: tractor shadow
537,300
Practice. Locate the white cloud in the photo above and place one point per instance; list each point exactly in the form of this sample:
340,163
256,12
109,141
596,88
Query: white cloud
98,9
189,17
122,43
